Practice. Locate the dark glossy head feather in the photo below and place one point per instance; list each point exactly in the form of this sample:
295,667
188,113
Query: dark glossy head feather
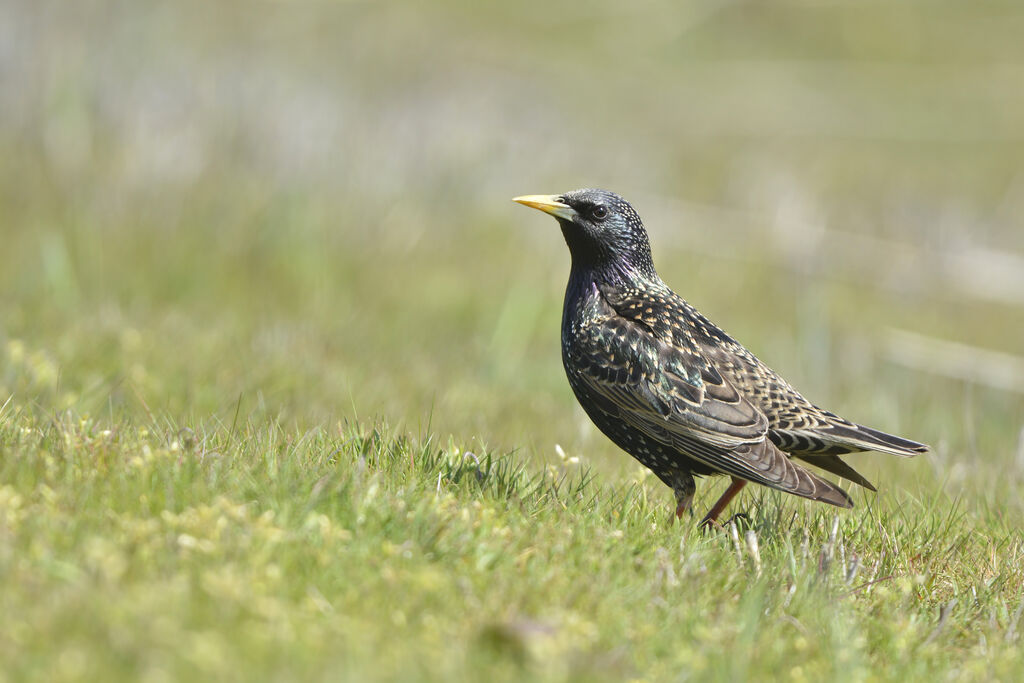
603,231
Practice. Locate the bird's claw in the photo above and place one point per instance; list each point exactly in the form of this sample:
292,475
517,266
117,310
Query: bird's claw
709,523
737,517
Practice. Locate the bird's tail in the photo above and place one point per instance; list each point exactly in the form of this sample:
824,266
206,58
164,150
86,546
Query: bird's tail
835,465
868,439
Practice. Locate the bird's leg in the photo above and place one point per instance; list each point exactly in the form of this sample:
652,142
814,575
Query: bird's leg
684,505
716,509
684,488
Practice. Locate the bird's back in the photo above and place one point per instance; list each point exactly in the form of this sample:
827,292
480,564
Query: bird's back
796,425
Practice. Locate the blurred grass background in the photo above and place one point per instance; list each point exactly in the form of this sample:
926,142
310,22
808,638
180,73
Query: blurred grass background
299,212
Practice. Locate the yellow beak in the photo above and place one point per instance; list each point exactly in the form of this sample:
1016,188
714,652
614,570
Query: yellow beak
548,203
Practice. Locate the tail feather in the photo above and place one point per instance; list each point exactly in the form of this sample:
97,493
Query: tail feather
840,437
835,465
874,440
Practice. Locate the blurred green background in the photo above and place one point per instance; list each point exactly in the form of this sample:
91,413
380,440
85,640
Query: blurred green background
300,211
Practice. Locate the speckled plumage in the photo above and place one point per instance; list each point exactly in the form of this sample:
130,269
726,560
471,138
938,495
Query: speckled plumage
670,387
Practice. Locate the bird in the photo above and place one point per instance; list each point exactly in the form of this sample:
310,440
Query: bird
671,388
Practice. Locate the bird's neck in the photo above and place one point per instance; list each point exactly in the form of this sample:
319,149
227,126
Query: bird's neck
614,274
613,260
587,281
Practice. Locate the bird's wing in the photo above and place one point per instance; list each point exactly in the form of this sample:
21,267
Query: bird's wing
676,386
672,394
796,425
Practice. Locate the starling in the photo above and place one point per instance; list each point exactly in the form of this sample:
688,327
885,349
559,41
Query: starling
673,390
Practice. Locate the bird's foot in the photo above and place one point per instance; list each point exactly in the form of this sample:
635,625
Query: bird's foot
708,523
741,519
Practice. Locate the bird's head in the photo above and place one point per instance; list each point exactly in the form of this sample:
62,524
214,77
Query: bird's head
602,230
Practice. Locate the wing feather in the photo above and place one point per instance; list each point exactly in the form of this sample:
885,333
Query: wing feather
674,396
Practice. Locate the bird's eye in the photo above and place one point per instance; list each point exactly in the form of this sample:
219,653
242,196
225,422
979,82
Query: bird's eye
599,212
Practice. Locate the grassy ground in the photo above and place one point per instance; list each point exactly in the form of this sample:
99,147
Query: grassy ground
252,551
280,389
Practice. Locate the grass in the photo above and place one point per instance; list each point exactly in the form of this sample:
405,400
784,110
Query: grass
253,551
279,368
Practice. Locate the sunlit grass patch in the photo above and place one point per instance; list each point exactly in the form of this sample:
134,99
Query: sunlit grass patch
255,550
